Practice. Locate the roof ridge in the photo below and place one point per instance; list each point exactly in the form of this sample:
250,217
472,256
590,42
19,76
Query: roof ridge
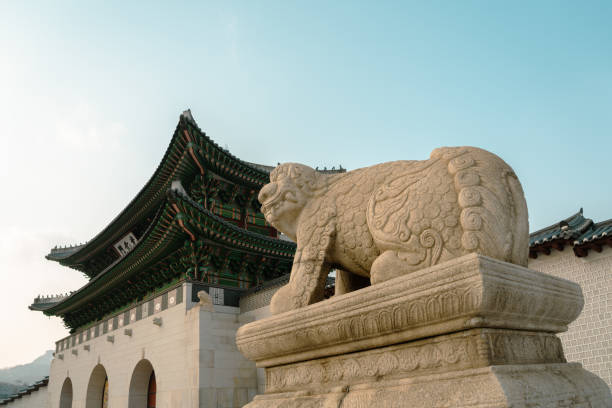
152,193
602,223
597,231
189,117
556,225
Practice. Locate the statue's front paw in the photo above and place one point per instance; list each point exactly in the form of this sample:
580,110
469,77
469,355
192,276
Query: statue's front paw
282,301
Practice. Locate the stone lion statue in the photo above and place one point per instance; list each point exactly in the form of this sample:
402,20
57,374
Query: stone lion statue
394,218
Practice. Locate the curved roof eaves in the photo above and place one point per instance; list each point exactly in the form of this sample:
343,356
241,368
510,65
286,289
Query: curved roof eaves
150,195
110,276
568,229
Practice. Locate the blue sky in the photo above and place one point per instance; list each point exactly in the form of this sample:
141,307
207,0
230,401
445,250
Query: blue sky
90,94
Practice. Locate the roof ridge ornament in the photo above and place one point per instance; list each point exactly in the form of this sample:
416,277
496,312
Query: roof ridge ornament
177,186
187,115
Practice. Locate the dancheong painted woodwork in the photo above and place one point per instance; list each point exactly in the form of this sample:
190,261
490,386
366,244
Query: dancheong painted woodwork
196,219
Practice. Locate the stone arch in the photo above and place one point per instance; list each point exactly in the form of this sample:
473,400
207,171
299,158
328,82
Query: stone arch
139,384
95,388
66,394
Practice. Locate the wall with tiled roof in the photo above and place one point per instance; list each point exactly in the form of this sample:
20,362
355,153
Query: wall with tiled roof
568,229
576,231
33,396
589,338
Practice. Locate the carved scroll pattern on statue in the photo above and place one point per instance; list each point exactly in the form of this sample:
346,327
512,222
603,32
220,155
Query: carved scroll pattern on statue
416,214
353,235
451,354
454,207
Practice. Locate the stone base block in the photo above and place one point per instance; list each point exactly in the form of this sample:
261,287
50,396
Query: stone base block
537,385
470,349
471,332
468,292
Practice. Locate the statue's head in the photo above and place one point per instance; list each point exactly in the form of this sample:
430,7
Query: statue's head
282,200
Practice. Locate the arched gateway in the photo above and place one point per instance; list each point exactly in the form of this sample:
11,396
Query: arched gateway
143,386
97,388
66,394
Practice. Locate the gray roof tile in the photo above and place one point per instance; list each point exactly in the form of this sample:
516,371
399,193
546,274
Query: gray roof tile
568,229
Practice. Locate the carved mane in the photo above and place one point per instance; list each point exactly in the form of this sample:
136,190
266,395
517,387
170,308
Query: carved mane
305,178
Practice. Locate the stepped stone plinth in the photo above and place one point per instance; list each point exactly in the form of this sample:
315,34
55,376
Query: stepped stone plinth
470,332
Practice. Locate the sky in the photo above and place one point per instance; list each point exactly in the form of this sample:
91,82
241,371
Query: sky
90,94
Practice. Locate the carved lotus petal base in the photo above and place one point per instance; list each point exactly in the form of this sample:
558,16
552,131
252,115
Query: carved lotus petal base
518,386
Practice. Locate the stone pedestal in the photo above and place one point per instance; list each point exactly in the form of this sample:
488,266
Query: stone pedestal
472,332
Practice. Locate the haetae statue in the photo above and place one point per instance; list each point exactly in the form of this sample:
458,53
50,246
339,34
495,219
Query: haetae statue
394,218
453,318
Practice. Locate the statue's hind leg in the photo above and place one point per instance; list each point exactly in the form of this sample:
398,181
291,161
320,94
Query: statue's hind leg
391,264
417,253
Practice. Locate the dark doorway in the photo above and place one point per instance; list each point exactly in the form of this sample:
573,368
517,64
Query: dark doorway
152,391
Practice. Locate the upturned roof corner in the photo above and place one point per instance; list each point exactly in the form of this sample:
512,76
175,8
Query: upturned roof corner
195,216
190,152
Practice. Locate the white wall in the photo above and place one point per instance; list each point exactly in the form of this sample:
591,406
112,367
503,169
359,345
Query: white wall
251,316
193,353
589,339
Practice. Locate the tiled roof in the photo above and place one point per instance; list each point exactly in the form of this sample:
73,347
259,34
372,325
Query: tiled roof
190,152
568,229
581,233
61,252
178,163
179,214
263,167
28,390
598,231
